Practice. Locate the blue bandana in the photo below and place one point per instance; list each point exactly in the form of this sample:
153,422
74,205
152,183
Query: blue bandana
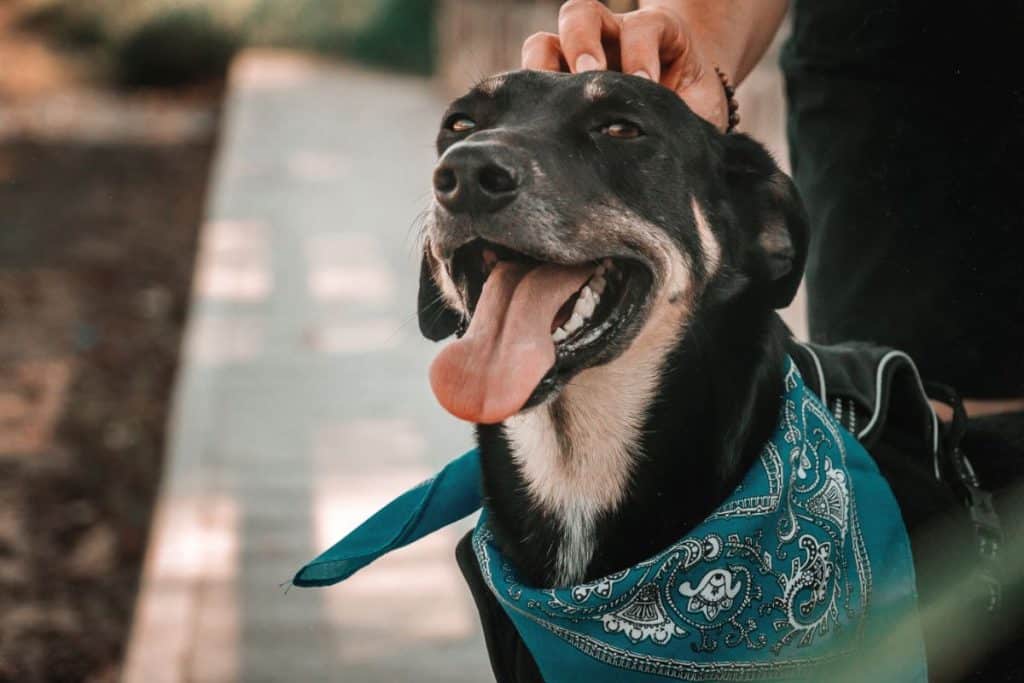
803,573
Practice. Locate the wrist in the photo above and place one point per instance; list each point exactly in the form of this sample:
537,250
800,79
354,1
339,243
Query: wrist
730,35
703,21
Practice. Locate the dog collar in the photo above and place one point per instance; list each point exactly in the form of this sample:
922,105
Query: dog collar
803,572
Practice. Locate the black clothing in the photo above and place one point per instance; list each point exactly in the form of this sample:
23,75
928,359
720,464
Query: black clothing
906,126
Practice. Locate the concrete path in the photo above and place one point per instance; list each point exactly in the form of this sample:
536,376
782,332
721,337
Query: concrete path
303,403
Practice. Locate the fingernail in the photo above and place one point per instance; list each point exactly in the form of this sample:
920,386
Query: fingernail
687,81
587,62
642,74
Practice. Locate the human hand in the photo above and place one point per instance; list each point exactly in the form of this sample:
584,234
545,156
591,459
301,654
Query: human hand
654,43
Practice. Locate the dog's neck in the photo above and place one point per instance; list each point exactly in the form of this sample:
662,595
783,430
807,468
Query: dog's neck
577,453
634,453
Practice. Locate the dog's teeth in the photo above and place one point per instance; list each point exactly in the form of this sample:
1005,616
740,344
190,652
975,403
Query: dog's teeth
559,334
586,304
599,271
597,284
575,323
607,263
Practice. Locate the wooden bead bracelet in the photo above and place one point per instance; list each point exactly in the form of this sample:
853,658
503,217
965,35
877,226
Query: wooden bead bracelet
730,98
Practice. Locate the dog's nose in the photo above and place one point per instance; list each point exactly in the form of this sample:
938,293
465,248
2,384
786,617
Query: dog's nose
476,179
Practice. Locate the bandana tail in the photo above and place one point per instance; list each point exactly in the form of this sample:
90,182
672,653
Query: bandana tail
450,496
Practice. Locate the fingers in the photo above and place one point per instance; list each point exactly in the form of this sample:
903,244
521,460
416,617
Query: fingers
653,40
651,43
703,93
656,43
581,26
640,43
542,52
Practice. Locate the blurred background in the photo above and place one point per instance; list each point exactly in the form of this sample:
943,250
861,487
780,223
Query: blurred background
209,363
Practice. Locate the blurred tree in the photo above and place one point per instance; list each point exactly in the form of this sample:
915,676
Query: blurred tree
173,42
399,35
175,47
76,25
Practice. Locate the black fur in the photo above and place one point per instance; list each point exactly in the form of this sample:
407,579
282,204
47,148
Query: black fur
719,395
721,402
720,389
437,321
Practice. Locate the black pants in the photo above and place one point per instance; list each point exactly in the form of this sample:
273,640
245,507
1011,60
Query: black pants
906,126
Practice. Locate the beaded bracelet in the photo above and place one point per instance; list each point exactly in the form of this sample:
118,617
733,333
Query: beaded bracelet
730,98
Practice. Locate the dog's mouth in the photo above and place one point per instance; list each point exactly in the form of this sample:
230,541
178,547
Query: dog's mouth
586,319
533,325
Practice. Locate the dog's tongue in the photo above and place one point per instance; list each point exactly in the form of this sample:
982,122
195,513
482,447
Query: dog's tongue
489,374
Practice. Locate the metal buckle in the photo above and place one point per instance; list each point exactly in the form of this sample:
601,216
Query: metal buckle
988,529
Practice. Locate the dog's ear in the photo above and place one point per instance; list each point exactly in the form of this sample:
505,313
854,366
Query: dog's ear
772,217
437,319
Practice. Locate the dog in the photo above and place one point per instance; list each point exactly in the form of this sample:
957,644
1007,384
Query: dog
549,182
612,265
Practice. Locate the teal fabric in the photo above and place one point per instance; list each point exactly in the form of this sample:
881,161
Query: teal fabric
800,573
450,496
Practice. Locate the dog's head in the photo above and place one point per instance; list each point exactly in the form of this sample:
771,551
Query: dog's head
579,216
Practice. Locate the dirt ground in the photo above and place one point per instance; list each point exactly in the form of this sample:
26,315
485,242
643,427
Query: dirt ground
101,196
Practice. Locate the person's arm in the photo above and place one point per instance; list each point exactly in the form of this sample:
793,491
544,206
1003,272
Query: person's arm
732,34
675,42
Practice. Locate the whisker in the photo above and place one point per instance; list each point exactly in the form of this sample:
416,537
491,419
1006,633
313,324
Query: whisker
417,224
438,300
400,328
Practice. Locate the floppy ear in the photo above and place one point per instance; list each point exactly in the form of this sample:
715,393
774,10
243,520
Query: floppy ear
771,215
437,319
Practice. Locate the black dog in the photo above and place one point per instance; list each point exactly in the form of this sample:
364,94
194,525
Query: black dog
612,265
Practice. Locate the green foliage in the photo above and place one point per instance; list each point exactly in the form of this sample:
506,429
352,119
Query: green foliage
78,25
178,46
399,36
306,22
174,42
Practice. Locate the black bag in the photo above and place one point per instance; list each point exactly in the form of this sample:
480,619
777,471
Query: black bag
968,607
878,395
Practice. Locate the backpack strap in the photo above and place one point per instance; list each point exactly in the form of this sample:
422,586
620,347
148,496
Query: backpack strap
869,388
878,395
980,504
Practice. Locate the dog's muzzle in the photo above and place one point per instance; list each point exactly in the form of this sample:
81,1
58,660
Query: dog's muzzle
478,177
540,304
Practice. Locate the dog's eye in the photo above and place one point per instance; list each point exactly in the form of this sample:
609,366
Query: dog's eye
622,129
460,124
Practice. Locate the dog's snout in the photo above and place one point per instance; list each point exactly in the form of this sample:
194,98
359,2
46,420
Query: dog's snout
495,179
445,181
477,178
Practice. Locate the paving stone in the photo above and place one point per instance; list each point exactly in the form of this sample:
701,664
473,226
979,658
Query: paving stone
302,401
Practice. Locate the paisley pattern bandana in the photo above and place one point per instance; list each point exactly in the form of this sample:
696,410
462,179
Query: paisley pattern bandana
803,573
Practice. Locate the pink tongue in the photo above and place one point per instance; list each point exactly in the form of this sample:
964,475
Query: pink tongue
488,375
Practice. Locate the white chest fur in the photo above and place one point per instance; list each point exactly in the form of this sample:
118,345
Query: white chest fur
577,454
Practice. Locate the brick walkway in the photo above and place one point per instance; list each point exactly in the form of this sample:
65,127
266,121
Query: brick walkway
303,401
